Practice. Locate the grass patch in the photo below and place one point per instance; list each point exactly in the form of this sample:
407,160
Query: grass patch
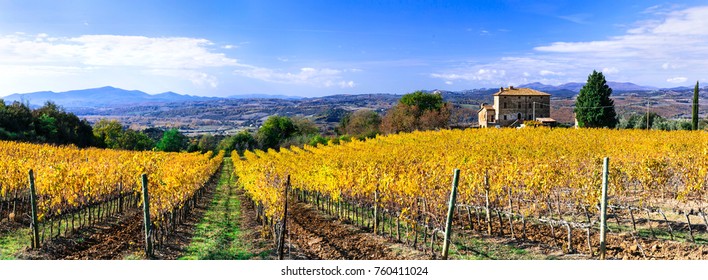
219,236
473,248
134,257
13,242
661,233
700,238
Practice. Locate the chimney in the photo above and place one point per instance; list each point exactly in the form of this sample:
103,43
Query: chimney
511,87
501,89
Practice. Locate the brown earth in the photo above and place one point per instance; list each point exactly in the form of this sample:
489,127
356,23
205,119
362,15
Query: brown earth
620,245
120,237
314,235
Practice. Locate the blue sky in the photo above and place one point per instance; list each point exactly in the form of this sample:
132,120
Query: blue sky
315,48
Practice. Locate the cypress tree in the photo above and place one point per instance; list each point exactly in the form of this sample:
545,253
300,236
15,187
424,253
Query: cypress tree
694,120
593,107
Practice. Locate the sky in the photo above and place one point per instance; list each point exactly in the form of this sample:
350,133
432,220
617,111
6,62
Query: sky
316,48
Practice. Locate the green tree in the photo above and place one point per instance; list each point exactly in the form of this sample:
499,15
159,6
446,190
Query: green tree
362,124
240,142
134,141
108,131
652,119
424,101
47,128
154,133
304,126
172,141
274,130
54,125
16,121
417,111
48,124
318,139
593,107
694,119
207,143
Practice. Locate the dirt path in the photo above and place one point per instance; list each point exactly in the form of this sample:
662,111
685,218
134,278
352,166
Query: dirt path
225,232
314,235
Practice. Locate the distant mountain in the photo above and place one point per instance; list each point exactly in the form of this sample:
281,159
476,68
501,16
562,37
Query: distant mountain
574,87
616,86
681,88
566,89
264,96
100,97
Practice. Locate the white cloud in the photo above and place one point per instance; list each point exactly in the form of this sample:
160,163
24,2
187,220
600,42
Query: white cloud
549,73
677,80
42,62
509,71
197,78
45,59
112,50
324,77
347,84
476,75
669,40
609,70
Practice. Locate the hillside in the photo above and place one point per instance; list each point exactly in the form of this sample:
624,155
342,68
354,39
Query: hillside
196,115
99,97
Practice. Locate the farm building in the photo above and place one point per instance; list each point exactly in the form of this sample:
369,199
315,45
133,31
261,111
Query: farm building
512,106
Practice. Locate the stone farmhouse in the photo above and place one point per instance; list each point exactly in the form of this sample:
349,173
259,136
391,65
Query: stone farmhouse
512,106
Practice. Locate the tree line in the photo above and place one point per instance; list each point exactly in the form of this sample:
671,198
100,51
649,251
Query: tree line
47,124
51,124
595,108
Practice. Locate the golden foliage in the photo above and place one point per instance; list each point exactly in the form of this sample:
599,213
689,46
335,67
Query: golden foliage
413,171
68,178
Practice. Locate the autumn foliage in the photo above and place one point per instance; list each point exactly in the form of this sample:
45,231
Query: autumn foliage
539,168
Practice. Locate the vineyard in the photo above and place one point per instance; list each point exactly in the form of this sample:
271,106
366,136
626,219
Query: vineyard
532,186
540,184
76,188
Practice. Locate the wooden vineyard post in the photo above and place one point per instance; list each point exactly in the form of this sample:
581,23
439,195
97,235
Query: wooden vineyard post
33,202
511,215
120,196
690,231
603,208
486,197
450,212
376,211
283,228
146,217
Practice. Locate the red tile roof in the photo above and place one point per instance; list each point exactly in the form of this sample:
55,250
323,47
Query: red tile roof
520,92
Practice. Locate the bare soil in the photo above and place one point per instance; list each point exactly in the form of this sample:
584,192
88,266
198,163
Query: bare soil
620,245
314,235
120,237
